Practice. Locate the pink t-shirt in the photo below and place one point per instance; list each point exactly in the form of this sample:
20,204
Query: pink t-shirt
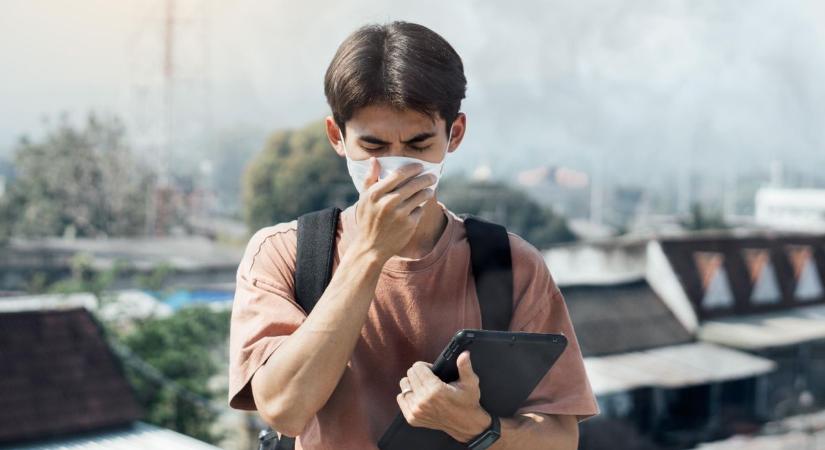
419,305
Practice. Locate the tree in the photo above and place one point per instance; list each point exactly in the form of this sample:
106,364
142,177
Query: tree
186,350
508,206
701,219
296,172
79,181
6,216
7,219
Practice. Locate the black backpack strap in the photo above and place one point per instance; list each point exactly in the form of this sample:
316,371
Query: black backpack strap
493,271
316,247
313,270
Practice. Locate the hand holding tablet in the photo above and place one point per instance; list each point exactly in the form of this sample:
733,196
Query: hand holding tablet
509,366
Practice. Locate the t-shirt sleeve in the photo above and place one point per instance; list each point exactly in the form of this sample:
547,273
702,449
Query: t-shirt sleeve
264,310
540,308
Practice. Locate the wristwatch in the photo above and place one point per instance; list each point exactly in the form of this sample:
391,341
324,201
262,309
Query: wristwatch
487,437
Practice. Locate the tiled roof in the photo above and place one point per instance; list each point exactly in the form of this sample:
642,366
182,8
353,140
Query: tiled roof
619,318
734,275
58,376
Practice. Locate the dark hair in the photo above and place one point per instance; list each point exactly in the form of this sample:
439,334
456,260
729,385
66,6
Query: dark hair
401,64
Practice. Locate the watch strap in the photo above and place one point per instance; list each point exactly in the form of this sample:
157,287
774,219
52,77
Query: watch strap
488,436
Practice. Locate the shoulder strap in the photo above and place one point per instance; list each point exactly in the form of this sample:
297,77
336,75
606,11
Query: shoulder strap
493,271
316,247
313,270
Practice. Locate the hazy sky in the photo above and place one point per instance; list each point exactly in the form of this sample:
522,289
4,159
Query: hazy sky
710,84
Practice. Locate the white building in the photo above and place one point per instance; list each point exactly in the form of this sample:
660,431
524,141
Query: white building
791,209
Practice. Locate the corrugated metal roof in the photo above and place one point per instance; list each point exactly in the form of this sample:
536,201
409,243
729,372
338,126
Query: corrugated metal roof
47,301
767,330
138,436
672,367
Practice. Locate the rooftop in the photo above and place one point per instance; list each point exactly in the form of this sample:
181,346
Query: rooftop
624,317
725,276
58,376
672,367
760,331
138,435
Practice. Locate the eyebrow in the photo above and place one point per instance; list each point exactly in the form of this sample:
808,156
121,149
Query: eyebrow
417,138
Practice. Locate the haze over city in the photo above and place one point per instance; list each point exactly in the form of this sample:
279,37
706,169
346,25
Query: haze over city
676,86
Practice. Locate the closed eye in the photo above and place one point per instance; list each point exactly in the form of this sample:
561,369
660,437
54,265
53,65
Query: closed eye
383,147
381,144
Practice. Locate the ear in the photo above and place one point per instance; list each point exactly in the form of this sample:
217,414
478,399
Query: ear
333,136
459,127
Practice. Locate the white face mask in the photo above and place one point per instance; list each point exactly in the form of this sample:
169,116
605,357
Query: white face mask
359,170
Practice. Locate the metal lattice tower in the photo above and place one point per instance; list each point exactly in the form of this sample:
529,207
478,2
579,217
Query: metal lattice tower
169,97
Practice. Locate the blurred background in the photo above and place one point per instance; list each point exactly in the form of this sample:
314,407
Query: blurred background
667,157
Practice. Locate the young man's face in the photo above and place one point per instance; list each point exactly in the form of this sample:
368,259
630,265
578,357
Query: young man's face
385,131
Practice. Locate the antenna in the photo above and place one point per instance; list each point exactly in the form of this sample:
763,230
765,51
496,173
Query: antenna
170,117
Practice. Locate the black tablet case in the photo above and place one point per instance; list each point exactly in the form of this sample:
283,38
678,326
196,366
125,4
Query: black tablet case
509,366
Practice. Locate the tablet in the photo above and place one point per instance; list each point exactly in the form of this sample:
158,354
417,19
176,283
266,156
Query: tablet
509,365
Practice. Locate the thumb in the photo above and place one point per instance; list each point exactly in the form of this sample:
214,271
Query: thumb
375,172
465,367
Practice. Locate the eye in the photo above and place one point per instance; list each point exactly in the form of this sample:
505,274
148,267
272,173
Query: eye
420,149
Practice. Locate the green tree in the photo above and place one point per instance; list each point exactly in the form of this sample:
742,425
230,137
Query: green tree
84,278
702,219
80,181
296,172
508,206
7,219
156,279
172,362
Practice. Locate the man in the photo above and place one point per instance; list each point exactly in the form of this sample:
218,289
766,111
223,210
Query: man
402,283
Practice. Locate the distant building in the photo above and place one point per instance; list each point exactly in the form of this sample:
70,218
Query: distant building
762,294
627,205
657,386
791,209
61,386
191,260
695,338
564,189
